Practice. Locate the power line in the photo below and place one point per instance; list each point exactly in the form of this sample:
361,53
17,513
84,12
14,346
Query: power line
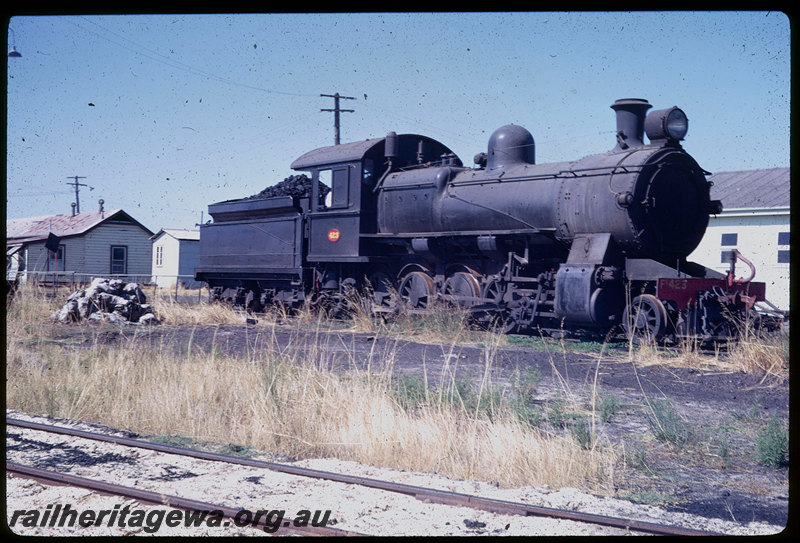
177,64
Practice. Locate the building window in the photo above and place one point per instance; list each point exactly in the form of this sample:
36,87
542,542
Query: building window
56,259
119,260
783,238
159,256
729,239
783,257
725,257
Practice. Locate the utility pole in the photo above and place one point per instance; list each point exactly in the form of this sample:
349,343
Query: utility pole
77,189
336,112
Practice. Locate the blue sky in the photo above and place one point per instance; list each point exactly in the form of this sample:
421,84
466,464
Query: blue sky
163,115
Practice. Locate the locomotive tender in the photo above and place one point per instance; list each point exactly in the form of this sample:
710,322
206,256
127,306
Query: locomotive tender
576,246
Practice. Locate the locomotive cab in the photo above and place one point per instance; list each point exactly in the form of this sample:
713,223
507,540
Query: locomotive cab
338,229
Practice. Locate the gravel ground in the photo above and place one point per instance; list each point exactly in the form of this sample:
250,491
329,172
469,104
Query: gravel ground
354,508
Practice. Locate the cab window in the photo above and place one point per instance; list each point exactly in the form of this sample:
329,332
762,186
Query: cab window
339,182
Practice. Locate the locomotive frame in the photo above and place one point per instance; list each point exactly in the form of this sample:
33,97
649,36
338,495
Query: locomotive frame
588,246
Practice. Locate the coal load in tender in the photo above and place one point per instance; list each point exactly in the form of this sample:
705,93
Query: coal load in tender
297,186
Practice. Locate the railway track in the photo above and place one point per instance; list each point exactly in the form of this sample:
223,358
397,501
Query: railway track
427,495
231,514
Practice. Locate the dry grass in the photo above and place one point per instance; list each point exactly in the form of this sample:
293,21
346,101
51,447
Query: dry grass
288,400
767,356
442,323
176,313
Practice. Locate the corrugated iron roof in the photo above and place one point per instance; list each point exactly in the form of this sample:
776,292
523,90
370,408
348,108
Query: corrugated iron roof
15,228
752,188
38,228
189,235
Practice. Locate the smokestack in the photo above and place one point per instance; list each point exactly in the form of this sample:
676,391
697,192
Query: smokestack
73,204
631,113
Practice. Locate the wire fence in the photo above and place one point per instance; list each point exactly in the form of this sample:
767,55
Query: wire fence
180,288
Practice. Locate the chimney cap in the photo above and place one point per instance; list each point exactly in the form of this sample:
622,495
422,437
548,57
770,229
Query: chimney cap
630,102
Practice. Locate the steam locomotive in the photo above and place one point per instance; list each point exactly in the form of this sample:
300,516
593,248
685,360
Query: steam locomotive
593,245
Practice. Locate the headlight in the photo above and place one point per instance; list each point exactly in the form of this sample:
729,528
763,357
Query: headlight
666,124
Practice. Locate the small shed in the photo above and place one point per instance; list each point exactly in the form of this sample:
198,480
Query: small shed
756,221
176,254
85,245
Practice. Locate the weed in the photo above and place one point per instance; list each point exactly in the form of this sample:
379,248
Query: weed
525,383
526,341
751,414
724,450
175,440
637,457
526,414
410,391
608,407
772,443
228,449
234,449
667,425
556,413
581,431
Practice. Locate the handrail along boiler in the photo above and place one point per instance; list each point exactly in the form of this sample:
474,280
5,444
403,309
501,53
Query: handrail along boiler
582,246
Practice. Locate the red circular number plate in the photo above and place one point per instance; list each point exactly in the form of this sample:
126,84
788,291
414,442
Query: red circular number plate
333,235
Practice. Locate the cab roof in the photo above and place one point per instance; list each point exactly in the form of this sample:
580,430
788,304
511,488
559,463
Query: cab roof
356,151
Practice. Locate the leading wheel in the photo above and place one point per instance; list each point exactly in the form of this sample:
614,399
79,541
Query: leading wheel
495,291
645,319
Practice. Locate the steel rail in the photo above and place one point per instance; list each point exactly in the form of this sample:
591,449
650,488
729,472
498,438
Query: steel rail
167,500
420,493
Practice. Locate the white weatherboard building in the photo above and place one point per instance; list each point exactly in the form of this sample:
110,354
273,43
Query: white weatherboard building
756,221
175,256
84,245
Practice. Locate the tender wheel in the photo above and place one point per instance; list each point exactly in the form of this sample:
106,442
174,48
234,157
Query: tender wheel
462,288
416,290
253,301
645,318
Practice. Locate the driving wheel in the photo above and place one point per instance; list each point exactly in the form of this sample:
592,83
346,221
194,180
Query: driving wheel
416,289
